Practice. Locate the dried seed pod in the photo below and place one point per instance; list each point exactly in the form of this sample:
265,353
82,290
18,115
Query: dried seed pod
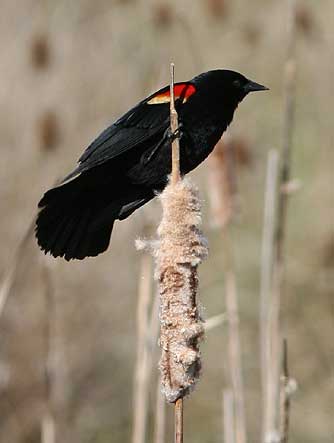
48,130
181,249
251,33
305,21
40,51
163,15
218,8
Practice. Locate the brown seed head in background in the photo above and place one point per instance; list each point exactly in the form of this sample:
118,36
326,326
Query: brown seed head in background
48,131
163,15
251,33
305,21
328,252
217,8
40,51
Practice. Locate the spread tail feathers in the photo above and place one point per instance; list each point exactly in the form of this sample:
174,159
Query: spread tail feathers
75,223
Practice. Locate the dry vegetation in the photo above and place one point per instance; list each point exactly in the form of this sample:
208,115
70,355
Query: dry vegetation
67,330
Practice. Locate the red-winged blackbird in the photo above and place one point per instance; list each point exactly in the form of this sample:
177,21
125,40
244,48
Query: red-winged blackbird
130,162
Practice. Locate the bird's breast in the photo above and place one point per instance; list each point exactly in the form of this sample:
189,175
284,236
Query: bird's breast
198,144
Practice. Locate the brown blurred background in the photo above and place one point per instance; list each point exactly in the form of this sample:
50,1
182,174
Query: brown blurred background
68,69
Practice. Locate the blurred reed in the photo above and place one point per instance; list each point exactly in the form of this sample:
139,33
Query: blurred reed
48,421
160,416
287,388
11,272
147,334
274,243
48,130
228,416
266,302
222,192
40,51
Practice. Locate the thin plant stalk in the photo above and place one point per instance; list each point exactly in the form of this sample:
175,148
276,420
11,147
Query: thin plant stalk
223,180
10,274
178,411
48,423
289,118
174,125
234,345
180,249
141,378
228,416
285,167
160,416
48,429
271,433
285,397
267,259
176,176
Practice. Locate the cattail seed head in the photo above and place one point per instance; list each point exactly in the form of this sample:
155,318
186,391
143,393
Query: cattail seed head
180,250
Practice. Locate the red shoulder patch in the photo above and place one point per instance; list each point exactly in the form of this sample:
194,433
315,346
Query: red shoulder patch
184,90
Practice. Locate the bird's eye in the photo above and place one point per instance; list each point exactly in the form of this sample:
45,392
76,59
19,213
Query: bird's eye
236,83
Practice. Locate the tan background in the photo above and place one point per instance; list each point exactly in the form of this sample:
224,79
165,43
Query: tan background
101,58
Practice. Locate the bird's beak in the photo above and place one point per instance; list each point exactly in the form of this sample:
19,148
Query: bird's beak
252,87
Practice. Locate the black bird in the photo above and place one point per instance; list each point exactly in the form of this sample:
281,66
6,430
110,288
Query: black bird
130,162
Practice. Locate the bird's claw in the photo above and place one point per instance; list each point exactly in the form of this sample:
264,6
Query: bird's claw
178,133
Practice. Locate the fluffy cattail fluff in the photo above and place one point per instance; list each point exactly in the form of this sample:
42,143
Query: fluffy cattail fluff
180,250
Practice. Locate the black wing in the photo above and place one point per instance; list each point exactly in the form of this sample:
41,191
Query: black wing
140,124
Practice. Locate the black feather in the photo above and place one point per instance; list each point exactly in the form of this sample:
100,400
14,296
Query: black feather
125,166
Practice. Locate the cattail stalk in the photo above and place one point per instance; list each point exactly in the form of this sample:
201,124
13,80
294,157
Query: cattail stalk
180,250
222,181
174,125
140,402
10,275
234,346
178,411
228,416
267,306
273,339
48,422
285,392
160,416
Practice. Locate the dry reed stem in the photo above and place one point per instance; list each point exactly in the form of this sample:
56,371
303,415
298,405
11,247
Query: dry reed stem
289,117
48,430
234,345
228,416
10,274
271,433
267,258
285,397
174,127
222,181
179,420
141,378
48,422
160,416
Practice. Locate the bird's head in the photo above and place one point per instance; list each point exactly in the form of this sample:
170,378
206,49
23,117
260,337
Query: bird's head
225,86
